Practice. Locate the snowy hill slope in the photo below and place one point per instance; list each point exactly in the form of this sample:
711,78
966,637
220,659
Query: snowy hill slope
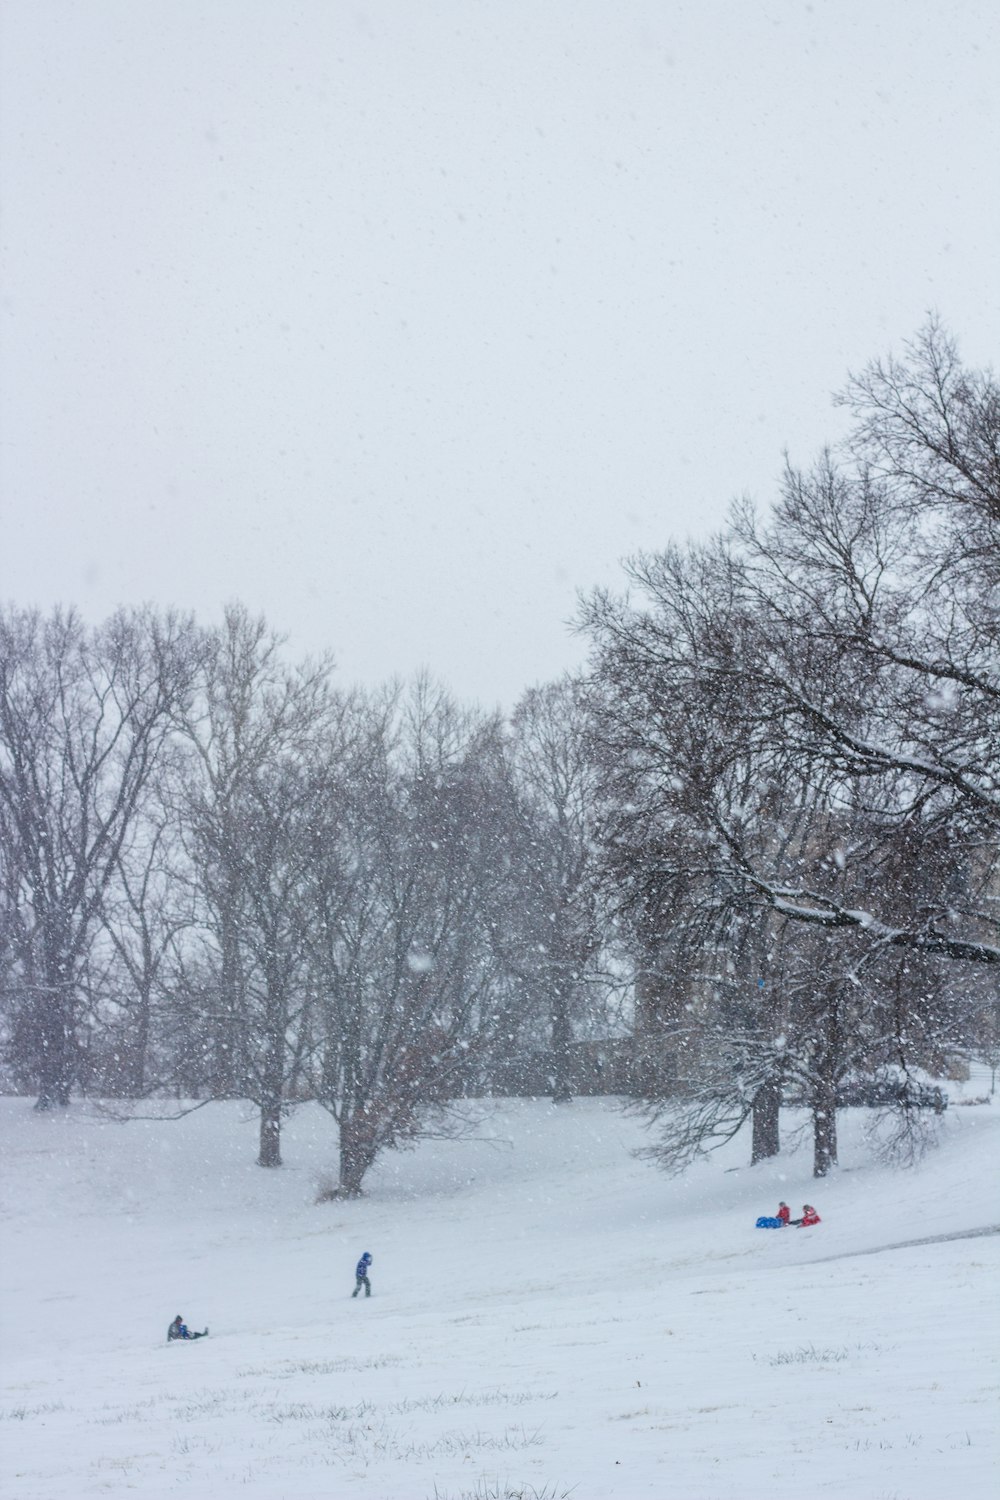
549,1314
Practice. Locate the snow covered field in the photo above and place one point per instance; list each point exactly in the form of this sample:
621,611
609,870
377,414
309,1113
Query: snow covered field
551,1316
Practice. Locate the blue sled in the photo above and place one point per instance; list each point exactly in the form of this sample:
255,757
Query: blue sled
765,1223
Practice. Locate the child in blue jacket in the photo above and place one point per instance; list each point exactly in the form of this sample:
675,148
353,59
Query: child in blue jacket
361,1274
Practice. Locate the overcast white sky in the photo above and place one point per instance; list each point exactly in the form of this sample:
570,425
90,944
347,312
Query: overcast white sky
403,321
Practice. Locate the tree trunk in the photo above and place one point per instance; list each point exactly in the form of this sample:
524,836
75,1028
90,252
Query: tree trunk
824,1095
357,1152
273,1084
228,1078
824,1131
270,1135
766,1121
562,1037
138,1046
57,1043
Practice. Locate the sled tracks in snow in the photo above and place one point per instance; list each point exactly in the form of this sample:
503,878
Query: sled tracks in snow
932,1239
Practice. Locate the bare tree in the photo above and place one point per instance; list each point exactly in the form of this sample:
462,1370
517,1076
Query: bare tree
687,776
402,869
146,912
551,932
84,715
253,729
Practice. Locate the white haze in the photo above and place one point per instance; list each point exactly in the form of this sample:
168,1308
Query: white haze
404,322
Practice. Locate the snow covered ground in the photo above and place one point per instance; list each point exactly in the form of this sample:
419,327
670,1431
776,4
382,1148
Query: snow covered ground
551,1316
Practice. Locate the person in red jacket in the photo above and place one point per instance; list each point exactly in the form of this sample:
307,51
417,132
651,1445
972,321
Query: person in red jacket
784,1214
809,1217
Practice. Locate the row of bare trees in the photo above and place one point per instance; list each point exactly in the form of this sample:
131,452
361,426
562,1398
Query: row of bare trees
224,877
770,815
